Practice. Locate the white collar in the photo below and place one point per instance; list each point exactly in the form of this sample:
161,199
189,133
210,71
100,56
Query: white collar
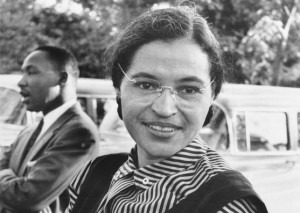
53,115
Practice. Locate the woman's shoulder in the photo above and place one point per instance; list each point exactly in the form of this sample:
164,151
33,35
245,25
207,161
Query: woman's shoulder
110,162
94,179
210,159
222,189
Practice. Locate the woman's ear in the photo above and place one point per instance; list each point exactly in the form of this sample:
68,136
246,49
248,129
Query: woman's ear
118,92
118,99
213,95
209,115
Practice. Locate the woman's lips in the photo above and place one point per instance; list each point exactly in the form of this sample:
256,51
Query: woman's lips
162,129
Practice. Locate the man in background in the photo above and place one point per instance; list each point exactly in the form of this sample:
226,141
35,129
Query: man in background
36,170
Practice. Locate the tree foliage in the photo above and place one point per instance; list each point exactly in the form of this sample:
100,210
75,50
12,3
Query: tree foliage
16,33
270,46
86,38
24,27
260,38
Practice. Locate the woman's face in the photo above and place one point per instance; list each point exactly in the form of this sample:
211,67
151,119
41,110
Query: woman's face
162,123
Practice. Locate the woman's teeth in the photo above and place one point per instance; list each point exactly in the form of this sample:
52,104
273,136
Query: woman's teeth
163,129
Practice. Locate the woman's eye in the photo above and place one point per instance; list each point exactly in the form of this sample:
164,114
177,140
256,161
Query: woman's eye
189,90
146,85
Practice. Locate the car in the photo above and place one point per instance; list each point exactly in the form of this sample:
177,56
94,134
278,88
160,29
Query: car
13,114
257,131
92,94
255,128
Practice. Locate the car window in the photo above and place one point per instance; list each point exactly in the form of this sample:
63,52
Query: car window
215,134
261,131
94,107
111,123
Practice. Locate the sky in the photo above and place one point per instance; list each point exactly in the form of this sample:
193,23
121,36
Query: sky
70,6
65,6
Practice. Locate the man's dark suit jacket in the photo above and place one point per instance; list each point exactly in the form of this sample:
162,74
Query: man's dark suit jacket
41,179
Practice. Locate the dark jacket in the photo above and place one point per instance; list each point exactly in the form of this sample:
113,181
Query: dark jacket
40,179
209,198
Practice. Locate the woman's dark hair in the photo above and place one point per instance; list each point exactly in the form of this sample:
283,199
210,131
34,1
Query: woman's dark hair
166,25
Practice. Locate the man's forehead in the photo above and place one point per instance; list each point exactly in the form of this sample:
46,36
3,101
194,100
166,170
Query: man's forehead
37,55
38,60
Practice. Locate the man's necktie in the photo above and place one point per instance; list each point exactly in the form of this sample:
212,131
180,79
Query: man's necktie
33,137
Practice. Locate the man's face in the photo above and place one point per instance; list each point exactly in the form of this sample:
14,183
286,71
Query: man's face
40,84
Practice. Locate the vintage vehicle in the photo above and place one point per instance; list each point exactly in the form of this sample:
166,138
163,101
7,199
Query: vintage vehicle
255,128
92,95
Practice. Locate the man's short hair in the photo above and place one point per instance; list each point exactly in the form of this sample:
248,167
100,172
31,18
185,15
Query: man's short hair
61,59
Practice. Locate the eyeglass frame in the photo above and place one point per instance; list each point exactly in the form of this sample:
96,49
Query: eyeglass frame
161,87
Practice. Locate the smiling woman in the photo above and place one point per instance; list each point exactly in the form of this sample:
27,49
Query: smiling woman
163,123
166,69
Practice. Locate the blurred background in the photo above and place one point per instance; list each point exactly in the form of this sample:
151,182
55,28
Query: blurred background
260,39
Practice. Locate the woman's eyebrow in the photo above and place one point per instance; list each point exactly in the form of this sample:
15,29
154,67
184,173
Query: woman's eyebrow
192,79
144,75
181,80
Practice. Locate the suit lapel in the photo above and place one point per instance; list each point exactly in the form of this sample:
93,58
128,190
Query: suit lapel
21,143
46,137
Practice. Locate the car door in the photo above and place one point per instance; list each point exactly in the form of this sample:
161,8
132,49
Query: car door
260,144
12,115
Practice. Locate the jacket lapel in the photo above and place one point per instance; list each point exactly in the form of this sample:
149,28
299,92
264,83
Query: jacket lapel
21,143
46,137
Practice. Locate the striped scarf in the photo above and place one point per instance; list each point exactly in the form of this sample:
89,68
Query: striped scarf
160,186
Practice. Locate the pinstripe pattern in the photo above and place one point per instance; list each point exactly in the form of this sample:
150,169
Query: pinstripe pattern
74,187
239,206
46,210
158,187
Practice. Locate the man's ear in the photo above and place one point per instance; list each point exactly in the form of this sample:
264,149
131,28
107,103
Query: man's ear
63,77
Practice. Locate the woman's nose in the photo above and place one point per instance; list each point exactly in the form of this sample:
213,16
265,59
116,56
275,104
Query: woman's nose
165,104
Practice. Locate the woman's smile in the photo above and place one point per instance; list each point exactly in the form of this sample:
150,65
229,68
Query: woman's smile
160,129
160,125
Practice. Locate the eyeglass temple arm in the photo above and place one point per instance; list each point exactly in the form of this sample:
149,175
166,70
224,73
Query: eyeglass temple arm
125,73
